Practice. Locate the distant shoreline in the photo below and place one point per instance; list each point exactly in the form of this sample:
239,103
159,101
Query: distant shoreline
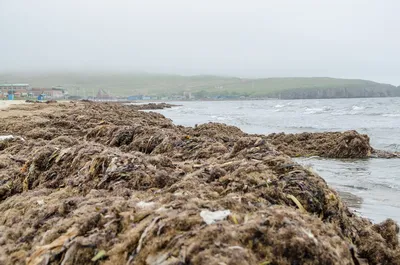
227,100
203,86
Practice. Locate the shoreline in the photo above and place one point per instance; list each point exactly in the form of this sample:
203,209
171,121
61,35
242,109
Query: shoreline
228,100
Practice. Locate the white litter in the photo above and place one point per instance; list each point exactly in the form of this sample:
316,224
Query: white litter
145,205
212,217
310,235
6,137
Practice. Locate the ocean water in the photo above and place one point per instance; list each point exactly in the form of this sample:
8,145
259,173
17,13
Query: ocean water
371,186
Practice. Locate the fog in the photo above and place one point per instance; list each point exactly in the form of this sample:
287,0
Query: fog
351,39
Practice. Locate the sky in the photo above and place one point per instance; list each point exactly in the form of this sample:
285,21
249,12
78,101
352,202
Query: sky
246,38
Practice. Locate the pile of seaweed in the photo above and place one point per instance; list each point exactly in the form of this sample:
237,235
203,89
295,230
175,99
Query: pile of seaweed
348,144
146,106
89,183
153,106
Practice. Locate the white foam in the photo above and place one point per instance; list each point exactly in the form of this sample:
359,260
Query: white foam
355,107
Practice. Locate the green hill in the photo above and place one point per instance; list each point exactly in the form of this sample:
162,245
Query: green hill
124,84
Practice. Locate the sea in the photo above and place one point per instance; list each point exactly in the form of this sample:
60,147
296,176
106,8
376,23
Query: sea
371,187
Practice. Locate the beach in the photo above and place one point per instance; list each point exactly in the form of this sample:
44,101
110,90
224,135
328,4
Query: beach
105,183
7,103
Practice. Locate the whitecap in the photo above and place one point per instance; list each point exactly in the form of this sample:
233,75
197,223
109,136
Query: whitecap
391,115
355,107
314,110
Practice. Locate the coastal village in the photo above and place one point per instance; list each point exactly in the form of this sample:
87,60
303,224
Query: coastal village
17,91
25,91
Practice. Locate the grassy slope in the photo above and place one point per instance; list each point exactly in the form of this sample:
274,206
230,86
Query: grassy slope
157,84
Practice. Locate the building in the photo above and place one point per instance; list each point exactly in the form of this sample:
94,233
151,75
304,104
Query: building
17,90
135,97
187,95
54,94
48,93
14,86
24,91
177,97
102,94
6,89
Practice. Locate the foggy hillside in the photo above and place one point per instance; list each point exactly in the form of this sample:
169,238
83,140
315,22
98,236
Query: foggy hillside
202,86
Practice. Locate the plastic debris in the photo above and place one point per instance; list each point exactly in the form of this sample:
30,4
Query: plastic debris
145,205
101,254
6,137
212,217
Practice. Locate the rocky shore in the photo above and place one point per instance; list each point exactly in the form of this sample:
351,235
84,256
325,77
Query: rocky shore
90,183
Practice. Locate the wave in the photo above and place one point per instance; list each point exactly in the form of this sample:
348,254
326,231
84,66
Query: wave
219,118
394,147
355,187
385,186
317,110
354,112
301,127
355,107
391,115
340,113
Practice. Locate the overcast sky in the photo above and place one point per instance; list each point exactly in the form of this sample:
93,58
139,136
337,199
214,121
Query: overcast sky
248,38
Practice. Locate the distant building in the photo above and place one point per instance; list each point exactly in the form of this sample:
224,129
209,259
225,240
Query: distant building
24,91
48,93
54,94
35,92
177,97
187,95
19,92
15,89
136,97
14,86
104,95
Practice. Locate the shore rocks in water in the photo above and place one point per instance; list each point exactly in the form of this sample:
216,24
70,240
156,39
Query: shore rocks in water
153,106
106,184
